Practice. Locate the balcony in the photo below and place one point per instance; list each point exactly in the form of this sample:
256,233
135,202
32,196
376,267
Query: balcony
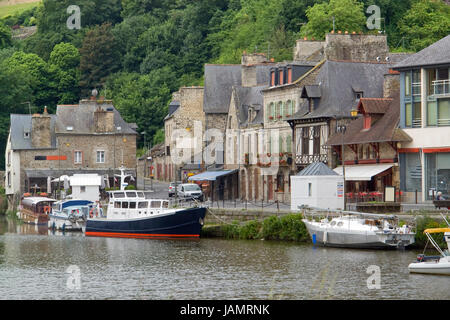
441,88
310,158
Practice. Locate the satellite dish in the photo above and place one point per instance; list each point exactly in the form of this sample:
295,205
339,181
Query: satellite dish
387,59
378,59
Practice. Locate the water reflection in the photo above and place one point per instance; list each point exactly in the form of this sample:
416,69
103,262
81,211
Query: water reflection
33,265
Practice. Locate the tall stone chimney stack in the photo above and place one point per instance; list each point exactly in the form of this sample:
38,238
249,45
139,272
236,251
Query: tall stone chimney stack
249,62
41,137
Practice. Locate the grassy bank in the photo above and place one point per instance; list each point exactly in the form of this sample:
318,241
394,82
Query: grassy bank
291,228
15,9
288,227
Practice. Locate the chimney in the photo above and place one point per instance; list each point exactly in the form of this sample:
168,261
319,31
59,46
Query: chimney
391,83
248,69
41,137
104,120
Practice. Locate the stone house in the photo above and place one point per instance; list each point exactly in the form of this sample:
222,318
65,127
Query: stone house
184,127
90,137
371,147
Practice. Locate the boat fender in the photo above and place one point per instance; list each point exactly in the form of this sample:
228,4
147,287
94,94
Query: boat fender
200,220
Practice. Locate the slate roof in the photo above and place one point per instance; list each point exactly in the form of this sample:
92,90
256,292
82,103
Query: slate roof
81,118
336,80
436,54
246,97
317,169
385,129
21,123
173,106
219,81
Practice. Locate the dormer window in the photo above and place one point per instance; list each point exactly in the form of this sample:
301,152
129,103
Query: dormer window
367,122
359,95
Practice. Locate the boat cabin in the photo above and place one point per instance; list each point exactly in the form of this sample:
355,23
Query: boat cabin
37,205
134,204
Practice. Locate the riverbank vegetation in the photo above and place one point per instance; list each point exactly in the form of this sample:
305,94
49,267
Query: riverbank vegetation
3,202
288,227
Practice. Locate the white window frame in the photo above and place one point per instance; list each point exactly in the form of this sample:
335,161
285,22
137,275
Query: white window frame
77,160
97,156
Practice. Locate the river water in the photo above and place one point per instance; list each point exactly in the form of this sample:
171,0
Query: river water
36,264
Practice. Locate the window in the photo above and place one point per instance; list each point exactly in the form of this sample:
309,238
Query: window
290,75
77,157
155,204
309,189
288,110
132,205
82,189
281,77
9,158
100,156
289,144
413,115
272,78
305,141
117,205
124,205
143,205
367,122
316,140
9,179
407,84
26,134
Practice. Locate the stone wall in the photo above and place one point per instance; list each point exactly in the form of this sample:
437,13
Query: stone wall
41,136
356,47
308,50
391,84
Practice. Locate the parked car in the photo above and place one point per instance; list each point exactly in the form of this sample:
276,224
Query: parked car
190,191
172,188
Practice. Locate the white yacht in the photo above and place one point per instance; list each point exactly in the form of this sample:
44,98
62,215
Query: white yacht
360,230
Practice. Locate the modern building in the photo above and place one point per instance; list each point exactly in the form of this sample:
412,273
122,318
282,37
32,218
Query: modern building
425,117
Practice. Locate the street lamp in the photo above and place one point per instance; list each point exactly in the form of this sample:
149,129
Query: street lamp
342,128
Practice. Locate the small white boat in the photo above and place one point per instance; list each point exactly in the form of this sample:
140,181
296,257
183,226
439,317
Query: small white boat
434,264
70,215
360,230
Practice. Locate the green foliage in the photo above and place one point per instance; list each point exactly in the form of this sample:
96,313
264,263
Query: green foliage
99,57
287,228
425,223
348,14
5,36
158,137
425,23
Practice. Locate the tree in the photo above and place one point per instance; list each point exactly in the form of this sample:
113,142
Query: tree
35,74
348,15
5,36
99,57
63,66
425,23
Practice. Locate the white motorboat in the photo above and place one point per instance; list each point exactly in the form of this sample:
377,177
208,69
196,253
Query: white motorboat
70,215
434,264
360,230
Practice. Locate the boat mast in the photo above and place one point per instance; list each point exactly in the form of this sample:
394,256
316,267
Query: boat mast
122,176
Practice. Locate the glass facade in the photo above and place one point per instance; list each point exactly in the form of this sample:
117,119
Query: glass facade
411,169
437,174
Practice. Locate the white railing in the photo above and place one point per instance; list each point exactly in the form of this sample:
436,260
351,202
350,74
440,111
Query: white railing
441,87
416,86
417,123
443,122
